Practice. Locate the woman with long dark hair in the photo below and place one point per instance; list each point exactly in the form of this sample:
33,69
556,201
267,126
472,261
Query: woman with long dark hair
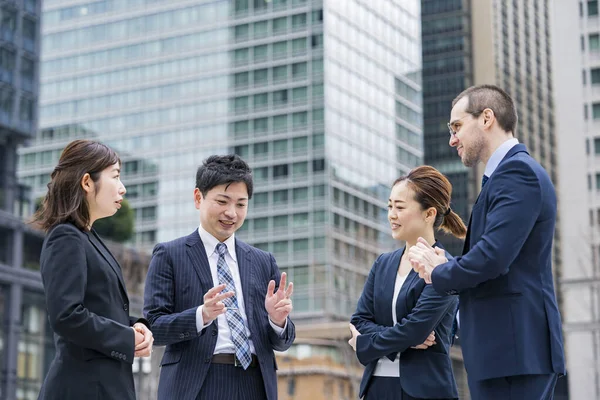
96,339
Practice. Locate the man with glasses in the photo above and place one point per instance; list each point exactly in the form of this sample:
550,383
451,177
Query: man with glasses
510,325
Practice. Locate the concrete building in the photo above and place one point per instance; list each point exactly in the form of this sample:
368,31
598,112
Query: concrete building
576,69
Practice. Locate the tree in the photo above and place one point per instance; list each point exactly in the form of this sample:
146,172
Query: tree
119,227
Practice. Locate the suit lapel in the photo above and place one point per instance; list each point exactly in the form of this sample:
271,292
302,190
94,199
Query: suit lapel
199,259
246,270
401,308
389,281
519,148
101,248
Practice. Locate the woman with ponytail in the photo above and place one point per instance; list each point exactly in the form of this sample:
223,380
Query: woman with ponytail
402,329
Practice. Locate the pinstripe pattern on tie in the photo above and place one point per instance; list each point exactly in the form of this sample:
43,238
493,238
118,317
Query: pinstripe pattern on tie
233,316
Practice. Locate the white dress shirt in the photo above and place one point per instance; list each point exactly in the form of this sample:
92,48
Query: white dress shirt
385,367
224,343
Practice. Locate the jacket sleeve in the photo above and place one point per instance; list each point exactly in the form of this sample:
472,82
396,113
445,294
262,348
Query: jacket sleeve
64,275
363,318
412,330
167,326
510,217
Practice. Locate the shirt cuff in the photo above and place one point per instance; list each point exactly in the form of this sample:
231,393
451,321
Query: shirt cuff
278,330
200,320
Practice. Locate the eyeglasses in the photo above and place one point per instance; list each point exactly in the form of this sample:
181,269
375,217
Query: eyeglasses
452,125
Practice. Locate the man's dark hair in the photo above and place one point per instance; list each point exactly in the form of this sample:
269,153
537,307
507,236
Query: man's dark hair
491,96
223,170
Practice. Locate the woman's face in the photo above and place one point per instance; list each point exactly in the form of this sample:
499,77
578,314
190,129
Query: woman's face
407,219
107,193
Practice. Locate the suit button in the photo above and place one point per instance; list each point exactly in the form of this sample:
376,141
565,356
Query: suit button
207,360
181,336
126,307
214,332
187,334
112,353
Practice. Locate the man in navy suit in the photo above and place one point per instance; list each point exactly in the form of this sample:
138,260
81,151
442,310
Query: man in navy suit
510,325
211,299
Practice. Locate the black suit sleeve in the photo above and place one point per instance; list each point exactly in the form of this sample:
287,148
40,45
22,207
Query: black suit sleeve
64,275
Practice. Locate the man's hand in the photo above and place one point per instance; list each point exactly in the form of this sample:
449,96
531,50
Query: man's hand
355,333
279,304
430,341
213,303
143,348
425,258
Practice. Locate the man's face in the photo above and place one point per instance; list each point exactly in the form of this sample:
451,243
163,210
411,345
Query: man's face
468,138
223,209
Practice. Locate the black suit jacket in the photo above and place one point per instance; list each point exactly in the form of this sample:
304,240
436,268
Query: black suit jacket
88,311
178,277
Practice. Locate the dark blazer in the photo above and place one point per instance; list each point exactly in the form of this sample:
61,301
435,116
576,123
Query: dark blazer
177,280
508,310
88,308
420,310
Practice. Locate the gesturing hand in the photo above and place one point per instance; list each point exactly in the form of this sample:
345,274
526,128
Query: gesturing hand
213,305
279,304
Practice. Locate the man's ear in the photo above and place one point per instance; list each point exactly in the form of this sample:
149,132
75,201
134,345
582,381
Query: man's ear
198,198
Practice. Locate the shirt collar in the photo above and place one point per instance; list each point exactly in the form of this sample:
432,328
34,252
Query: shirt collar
498,155
210,243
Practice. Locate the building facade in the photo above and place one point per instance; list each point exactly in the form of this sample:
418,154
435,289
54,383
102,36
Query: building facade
321,97
25,348
326,111
576,55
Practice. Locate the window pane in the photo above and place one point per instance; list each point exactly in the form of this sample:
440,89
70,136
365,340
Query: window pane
300,143
261,223
280,73
280,221
261,76
280,25
280,122
300,194
594,42
299,21
592,6
595,75
300,168
299,70
280,196
280,147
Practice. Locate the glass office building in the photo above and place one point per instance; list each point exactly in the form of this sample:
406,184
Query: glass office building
322,98
25,341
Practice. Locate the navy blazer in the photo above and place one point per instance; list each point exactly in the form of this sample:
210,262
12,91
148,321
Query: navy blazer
420,310
509,319
178,277
88,311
